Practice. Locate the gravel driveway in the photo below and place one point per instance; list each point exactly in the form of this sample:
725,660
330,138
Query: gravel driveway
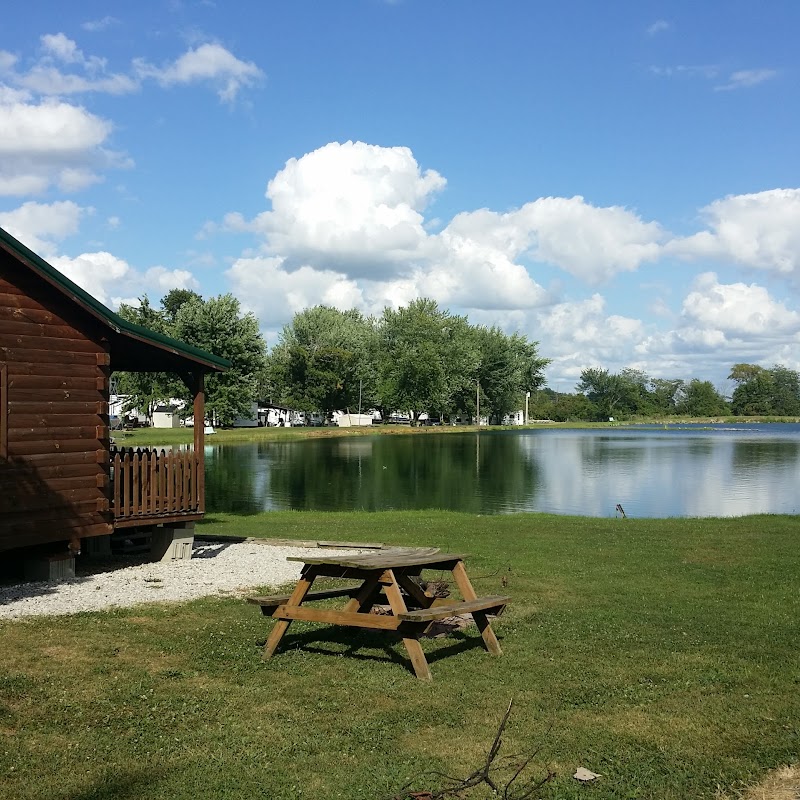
229,569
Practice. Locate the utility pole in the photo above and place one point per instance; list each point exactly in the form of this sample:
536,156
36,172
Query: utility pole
478,402
359,401
527,397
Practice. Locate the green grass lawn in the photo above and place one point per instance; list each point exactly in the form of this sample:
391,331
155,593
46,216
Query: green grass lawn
662,654
168,436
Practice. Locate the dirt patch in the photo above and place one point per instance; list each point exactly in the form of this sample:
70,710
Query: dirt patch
440,627
780,784
448,626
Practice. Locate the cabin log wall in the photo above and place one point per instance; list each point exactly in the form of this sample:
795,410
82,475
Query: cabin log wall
54,457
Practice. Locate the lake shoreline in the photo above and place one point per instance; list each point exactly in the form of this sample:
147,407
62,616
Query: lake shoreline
170,436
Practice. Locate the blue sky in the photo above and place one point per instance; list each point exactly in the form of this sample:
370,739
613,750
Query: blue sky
618,181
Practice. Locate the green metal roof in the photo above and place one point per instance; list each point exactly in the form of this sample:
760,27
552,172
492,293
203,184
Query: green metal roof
104,314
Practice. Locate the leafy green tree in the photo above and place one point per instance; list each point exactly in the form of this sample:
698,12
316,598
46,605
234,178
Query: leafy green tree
665,394
785,391
763,391
631,392
604,389
416,359
146,390
561,407
218,327
573,408
701,399
509,368
172,302
636,395
461,365
324,361
742,373
753,394
417,365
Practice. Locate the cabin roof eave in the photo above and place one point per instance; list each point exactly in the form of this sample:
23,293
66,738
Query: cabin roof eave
117,324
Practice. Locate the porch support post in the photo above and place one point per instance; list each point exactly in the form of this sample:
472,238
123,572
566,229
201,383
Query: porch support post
199,436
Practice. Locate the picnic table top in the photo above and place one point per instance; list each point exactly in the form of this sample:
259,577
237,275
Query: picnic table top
386,559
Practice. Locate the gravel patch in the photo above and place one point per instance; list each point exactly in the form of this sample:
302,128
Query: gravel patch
221,569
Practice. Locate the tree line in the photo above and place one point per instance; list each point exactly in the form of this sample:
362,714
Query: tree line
415,359
601,395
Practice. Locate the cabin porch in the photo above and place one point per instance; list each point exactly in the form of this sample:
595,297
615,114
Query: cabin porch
149,486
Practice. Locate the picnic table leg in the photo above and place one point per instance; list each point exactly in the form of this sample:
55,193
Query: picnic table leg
306,581
366,596
414,591
413,647
481,620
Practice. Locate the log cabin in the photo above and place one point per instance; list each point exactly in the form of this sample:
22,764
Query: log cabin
62,482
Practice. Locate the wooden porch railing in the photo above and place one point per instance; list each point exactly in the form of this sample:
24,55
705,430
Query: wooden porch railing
151,483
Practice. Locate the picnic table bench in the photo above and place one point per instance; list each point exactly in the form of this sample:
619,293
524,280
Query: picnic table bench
392,577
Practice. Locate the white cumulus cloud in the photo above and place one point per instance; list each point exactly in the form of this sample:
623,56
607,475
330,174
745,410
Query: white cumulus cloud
349,206
62,47
98,273
722,324
593,243
94,25
46,80
43,227
580,334
588,241
737,309
760,230
207,63
357,210
63,69
275,294
40,225
50,127
111,279
51,143
165,279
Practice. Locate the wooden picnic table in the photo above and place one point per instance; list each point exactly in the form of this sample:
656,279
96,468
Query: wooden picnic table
389,576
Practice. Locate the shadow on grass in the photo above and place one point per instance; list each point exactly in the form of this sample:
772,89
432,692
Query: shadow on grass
118,785
352,645
210,519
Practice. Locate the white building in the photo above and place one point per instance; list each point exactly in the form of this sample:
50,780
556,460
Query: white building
352,420
166,417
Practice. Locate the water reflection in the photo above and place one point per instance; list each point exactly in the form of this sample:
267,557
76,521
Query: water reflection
651,472
453,472
750,454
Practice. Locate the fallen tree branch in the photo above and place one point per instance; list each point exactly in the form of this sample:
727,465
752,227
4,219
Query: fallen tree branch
485,774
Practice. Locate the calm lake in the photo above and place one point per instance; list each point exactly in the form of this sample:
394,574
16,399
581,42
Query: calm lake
679,471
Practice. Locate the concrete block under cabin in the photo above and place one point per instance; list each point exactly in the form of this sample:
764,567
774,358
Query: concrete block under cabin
98,546
172,542
56,567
